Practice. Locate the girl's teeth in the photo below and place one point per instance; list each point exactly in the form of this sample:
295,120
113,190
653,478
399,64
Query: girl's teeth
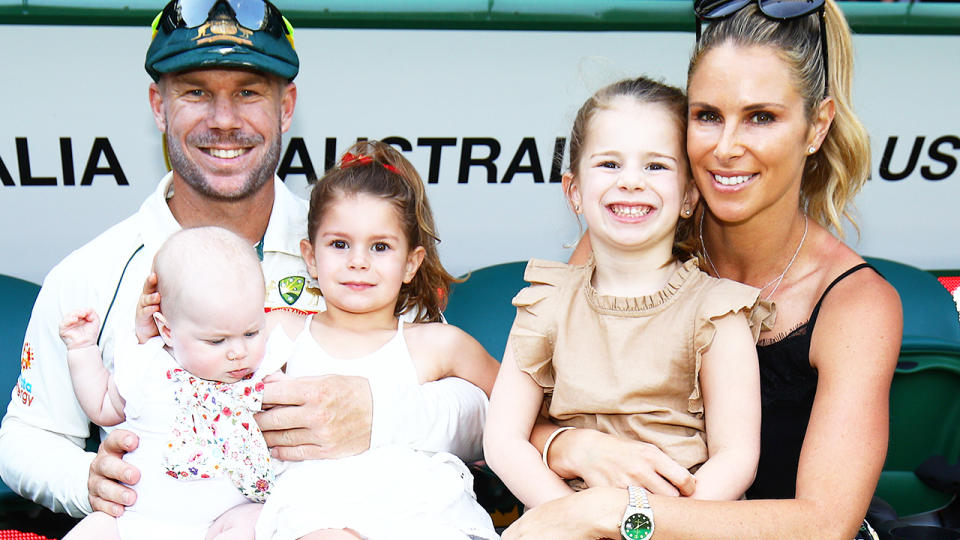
225,154
630,211
731,180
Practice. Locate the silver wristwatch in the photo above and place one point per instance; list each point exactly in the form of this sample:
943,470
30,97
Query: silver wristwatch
638,519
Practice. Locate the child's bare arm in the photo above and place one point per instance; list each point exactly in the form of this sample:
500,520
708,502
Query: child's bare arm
730,382
460,355
92,382
514,407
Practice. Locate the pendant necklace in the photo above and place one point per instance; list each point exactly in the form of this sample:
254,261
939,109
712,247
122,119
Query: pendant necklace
778,279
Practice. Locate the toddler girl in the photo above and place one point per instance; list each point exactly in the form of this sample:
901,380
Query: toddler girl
189,394
637,343
371,247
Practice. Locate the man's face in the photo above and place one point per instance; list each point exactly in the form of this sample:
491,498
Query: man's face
223,128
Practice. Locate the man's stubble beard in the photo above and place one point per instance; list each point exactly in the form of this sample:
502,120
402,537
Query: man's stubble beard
194,176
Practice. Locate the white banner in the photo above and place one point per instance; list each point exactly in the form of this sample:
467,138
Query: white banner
480,113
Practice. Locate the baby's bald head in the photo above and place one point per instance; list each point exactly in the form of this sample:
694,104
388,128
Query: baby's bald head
204,265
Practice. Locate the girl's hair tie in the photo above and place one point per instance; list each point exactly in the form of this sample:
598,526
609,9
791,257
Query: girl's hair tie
349,160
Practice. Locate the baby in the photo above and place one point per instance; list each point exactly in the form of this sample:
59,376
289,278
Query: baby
189,394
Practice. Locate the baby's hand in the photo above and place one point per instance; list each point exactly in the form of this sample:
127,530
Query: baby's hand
148,304
79,329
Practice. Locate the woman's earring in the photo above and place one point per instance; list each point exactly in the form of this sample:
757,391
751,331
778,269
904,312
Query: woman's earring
811,150
687,212
576,208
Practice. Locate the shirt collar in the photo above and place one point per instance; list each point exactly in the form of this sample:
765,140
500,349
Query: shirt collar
288,219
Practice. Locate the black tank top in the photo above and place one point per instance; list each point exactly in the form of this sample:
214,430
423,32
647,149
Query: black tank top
788,384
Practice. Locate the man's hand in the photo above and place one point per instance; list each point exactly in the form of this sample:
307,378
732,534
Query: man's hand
317,417
108,469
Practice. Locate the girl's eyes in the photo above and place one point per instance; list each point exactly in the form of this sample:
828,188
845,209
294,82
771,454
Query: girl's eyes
380,247
338,244
251,334
608,165
657,167
216,341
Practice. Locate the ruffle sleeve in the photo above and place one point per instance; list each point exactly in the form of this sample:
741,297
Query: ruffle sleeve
727,297
534,329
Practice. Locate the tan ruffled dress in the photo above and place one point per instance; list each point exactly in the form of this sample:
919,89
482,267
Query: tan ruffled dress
626,366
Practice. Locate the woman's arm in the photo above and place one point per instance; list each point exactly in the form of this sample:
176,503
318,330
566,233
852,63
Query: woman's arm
606,460
730,382
854,348
514,407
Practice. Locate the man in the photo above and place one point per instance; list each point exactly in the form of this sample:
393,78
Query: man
223,95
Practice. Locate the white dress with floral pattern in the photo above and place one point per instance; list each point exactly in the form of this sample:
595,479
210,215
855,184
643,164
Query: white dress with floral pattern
179,498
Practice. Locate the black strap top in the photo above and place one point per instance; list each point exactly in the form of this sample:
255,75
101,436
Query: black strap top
788,384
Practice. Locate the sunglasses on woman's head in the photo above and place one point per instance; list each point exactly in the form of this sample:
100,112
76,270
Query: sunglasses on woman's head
781,10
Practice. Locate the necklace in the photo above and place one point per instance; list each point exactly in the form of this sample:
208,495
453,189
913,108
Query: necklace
778,279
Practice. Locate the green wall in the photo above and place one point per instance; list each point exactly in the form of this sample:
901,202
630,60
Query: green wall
581,15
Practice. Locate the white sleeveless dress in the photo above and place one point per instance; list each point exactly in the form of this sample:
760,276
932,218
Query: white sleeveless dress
386,493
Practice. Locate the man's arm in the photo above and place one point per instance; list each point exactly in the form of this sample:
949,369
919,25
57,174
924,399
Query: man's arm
441,416
44,423
333,416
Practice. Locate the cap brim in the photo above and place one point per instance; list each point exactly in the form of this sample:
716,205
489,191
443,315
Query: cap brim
226,56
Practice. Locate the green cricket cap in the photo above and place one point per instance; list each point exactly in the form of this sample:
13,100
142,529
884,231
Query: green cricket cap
222,42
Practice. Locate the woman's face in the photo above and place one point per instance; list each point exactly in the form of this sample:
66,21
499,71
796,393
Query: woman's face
748,134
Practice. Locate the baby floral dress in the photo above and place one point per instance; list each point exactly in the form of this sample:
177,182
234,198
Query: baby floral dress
200,452
214,434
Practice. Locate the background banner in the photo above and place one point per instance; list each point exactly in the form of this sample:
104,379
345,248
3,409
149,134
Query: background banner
480,113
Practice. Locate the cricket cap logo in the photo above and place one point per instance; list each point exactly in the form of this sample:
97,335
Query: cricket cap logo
223,28
290,288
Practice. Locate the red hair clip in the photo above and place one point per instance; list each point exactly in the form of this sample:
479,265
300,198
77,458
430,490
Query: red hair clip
349,160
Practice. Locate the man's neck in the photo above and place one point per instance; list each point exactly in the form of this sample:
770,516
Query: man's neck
247,217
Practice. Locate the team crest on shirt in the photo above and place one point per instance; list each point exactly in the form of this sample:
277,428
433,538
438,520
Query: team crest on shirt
291,287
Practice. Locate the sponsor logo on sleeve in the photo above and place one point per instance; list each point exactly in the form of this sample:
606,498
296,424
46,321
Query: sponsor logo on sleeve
24,388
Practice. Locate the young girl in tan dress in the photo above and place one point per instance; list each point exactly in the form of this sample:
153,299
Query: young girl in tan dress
638,342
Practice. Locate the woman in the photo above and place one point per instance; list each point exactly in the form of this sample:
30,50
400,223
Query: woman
777,155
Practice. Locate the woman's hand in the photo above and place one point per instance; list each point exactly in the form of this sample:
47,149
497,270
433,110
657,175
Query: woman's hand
148,304
573,517
605,460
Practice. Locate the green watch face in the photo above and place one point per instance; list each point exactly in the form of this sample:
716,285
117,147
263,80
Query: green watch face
637,527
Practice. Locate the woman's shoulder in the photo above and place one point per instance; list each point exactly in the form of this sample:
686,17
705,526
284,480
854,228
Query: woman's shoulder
847,281
856,303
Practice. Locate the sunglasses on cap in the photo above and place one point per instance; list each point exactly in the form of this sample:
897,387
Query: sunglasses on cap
253,15
780,10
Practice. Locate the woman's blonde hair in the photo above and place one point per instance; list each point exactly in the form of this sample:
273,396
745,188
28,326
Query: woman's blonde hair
835,174
375,168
